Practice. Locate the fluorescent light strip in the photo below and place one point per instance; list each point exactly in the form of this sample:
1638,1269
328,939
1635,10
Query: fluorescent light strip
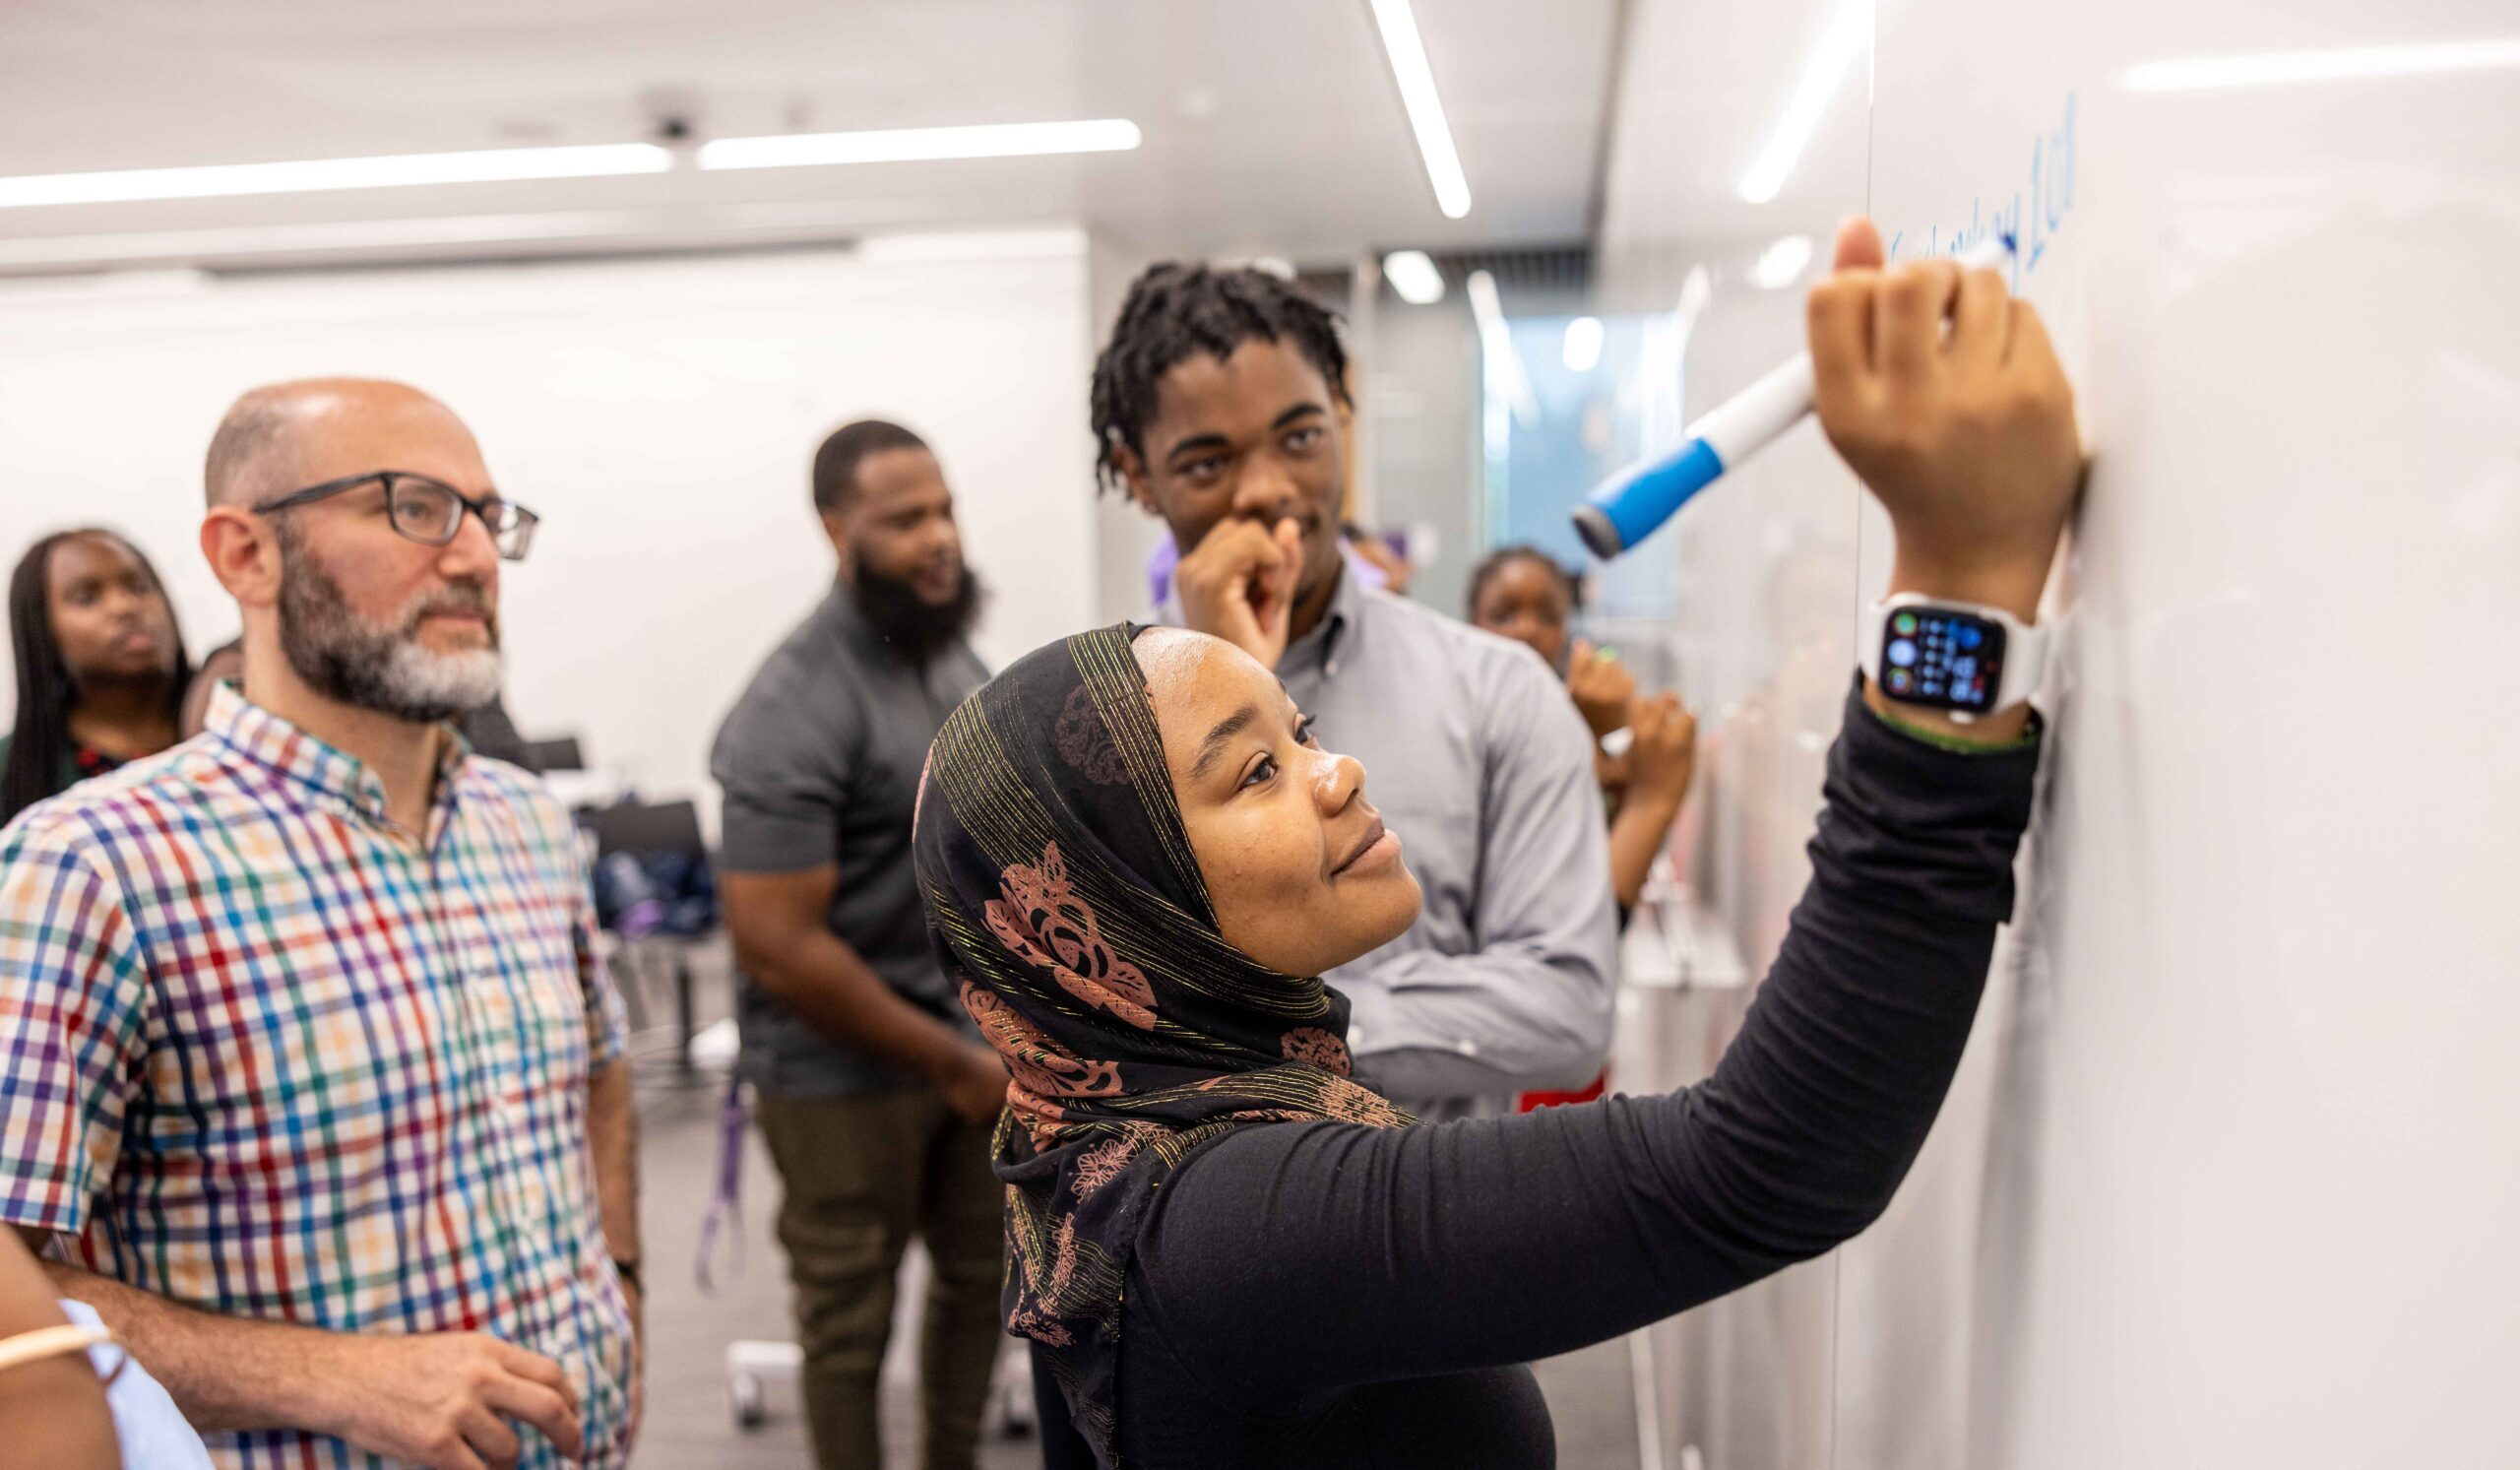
1496,346
1696,289
1407,54
1413,277
2276,68
213,180
451,236
1849,30
1487,308
923,145
1056,242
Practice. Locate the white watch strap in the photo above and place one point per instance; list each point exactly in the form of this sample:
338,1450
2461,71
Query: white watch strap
2025,644
2025,659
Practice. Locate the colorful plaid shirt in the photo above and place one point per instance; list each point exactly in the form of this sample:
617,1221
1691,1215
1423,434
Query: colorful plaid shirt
263,1054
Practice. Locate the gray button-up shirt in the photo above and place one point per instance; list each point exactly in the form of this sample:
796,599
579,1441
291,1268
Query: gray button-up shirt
1479,760
820,761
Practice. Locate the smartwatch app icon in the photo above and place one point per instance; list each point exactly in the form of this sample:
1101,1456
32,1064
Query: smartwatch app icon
1903,653
1904,623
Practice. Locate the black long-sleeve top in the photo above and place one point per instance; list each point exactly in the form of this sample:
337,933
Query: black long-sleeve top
1327,1294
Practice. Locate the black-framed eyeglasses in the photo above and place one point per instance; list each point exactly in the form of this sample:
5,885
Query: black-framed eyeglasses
426,510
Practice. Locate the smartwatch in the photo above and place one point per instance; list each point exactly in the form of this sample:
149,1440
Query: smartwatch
1963,658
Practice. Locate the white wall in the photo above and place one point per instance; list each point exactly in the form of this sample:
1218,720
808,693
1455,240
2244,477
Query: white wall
1125,537
659,414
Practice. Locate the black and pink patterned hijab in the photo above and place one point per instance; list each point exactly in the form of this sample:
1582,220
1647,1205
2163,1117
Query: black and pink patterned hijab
1064,897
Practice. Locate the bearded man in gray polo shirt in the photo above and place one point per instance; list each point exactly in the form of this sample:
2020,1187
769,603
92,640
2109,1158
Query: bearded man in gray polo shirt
1221,406
873,1088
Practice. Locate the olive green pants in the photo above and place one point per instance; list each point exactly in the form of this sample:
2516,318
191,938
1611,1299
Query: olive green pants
862,1175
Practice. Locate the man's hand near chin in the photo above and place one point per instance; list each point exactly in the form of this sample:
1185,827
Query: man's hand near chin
1239,584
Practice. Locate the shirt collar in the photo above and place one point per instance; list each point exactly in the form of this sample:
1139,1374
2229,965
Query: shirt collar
1334,638
273,742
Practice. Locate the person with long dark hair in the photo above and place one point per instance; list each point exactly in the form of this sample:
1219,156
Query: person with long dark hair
102,671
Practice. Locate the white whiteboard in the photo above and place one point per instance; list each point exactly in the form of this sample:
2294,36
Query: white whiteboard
2233,1175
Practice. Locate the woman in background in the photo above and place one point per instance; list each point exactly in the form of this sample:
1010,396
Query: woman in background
1518,593
102,671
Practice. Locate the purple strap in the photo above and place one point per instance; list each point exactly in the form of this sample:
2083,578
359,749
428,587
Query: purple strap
727,1204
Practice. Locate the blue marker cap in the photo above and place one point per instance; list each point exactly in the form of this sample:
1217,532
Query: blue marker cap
1627,508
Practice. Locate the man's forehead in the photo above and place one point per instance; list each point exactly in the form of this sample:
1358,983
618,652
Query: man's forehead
353,436
1257,382
892,475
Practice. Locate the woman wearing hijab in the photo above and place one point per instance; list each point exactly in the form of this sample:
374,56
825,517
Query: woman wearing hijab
100,665
1224,1250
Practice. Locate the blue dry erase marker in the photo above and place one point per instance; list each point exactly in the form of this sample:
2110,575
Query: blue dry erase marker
1632,504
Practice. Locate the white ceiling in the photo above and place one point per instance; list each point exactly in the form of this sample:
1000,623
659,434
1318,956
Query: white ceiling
1704,83
1272,126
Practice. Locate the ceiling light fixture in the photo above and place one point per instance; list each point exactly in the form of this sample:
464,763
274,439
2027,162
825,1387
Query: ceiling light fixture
1010,140
1781,264
811,225
1406,52
213,180
1696,289
2274,68
1505,374
1582,351
1850,31
1413,277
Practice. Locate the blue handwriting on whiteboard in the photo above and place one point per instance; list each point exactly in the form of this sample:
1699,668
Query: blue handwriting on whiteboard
2031,217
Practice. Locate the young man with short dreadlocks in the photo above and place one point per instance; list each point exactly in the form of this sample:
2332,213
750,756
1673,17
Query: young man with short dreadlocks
1219,406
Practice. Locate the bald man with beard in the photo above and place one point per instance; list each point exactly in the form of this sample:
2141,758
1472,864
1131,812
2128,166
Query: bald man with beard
315,1082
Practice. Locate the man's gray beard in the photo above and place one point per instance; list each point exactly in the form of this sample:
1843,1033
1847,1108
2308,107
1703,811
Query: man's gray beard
346,658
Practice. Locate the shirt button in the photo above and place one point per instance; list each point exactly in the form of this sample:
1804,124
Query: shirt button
1467,1048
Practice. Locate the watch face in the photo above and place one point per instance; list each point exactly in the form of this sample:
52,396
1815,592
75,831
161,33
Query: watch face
1944,657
